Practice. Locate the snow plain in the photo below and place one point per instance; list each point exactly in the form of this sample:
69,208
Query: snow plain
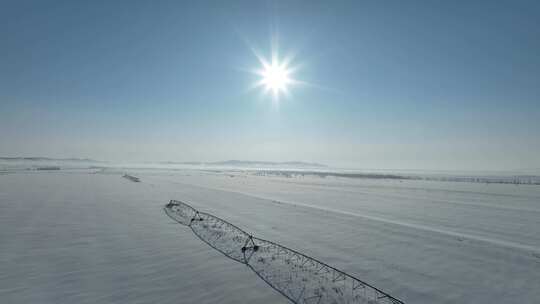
91,236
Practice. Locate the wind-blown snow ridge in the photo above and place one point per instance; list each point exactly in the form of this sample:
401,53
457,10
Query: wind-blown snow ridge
300,278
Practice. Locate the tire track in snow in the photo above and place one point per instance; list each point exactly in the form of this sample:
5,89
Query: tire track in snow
531,249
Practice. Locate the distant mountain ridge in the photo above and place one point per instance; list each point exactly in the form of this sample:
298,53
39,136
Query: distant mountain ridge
51,159
249,163
232,163
267,163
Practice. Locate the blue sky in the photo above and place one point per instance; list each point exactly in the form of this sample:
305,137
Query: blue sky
388,84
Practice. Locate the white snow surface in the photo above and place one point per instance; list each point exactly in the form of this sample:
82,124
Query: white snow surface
91,236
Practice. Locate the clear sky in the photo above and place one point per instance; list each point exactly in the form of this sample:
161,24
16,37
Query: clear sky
384,84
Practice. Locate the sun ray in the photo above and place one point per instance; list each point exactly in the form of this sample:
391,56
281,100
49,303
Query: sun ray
275,73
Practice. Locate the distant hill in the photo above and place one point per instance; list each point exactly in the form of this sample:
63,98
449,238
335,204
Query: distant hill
240,163
248,163
88,160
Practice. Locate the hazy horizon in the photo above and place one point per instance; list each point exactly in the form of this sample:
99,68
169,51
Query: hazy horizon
405,85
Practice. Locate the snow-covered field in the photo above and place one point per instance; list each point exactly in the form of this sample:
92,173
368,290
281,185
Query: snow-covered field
91,236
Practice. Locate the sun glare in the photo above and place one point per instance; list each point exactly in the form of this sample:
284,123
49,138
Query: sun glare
275,78
275,74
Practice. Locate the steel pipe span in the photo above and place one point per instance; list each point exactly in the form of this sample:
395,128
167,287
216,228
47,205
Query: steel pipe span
300,278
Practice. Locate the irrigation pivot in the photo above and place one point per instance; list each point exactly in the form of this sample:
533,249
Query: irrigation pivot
300,278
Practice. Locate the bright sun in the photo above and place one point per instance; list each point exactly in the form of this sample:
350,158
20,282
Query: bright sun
275,74
275,77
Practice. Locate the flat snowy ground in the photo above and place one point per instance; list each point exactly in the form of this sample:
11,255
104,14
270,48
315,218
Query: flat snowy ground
95,237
